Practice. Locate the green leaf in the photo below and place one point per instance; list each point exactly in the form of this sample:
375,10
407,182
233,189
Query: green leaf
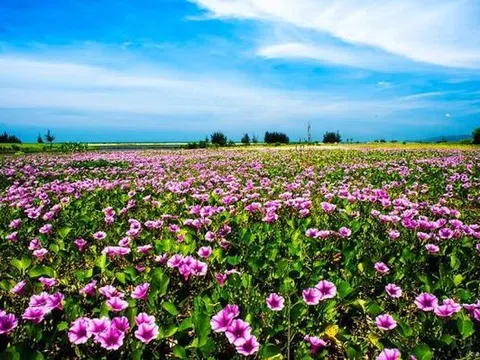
64,231
41,270
465,326
121,277
344,289
233,260
179,352
170,307
270,350
457,279
423,352
22,264
101,262
159,282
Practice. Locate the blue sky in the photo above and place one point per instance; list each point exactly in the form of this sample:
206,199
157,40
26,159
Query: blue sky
165,70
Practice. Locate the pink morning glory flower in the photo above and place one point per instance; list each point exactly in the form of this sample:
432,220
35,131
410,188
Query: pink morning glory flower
98,325
393,290
110,339
8,323
385,322
448,308
141,291
144,318
389,354
311,296
238,332
326,289
100,235
78,332
345,232
146,332
121,323
81,244
432,249
316,343
381,267
426,302
249,347
275,302
18,288
205,252
35,314
221,321
116,304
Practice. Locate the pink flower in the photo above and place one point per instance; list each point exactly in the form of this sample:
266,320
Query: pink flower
205,252
117,304
432,249
385,322
146,332
34,245
98,325
311,296
40,253
141,291
381,267
393,290
394,234
345,232
89,289
249,347
35,314
109,291
389,354
121,323
316,343
221,321
18,288
99,235
8,323
13,237
238,332
110,339
221,278
81,244
45,229
326,289
144,318
78,332
47,282
144,249
426,302
447,309
275,302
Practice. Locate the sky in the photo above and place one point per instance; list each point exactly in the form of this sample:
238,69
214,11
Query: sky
177,70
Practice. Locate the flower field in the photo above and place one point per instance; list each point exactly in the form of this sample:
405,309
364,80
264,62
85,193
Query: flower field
226,254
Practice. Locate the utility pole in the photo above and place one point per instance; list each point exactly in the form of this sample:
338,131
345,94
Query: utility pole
309,133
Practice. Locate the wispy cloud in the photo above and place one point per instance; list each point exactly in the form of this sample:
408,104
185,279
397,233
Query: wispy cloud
33,83
440,32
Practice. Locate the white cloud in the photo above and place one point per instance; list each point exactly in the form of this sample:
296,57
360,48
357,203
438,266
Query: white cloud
332,54
440,32
39,83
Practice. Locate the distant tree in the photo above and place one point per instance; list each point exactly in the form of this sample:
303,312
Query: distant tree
39,139
218,138
476,136
254,139
330,137
245,139
231,143
49,137
6,138
276,137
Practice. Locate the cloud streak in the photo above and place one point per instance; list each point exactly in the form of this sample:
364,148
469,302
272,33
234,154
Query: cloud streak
438,32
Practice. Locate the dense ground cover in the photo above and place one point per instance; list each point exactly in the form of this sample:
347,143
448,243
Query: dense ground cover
223,254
